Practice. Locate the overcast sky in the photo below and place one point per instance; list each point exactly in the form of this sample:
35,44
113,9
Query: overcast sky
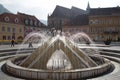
41,8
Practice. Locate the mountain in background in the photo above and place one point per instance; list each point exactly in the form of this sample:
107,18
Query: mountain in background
3,9
44,21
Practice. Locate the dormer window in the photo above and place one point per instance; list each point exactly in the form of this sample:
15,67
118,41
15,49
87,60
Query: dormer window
39,24
16,20
31,22
35,23
6,18
26,21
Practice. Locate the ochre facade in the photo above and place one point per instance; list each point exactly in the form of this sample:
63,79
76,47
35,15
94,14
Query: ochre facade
17,26
104,27
9,31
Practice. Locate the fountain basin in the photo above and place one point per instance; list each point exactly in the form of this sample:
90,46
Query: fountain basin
30,73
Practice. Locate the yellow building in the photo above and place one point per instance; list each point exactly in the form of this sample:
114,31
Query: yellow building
17,26
11,27
104,23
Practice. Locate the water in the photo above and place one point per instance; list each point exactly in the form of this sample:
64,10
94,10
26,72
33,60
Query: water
61,52
39,38
84,42
36,38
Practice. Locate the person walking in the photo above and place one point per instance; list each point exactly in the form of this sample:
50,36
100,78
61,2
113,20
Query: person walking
30,44
12,43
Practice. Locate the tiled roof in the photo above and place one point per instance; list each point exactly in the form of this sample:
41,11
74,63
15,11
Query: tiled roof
63,12
105,11
77,11
11,17
21,17
80,20
30,17
26,16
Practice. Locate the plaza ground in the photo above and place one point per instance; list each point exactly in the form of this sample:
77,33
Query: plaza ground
113,46
99,45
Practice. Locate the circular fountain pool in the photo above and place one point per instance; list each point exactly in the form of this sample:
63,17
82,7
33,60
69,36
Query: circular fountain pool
59,58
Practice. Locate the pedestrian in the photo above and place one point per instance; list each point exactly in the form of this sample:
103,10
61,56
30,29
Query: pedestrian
30,44
88,43
12,42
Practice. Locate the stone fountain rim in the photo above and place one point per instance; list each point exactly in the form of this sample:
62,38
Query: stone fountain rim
11,64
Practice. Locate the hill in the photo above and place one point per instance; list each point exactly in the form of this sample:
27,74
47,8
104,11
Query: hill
3,9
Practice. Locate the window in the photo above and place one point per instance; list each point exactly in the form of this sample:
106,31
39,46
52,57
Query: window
91,29
3,28
39,23
31,22
26,21
13,30
116,21
91,21
35,23
9,38
16,20
96,29
110,21
13,35
100,21
20,30
84,30
8,29
96,21
101,29
105,29
107,21
6,18
4,37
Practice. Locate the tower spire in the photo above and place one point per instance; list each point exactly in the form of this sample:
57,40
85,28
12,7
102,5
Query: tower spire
88,7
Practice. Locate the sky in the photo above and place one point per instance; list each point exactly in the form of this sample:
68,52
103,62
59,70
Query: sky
41,8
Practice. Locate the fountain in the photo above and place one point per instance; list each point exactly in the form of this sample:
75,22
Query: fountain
59,58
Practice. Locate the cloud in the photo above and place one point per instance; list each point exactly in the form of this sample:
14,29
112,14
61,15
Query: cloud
41,8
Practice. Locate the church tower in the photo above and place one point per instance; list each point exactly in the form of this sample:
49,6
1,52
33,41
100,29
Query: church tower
88,8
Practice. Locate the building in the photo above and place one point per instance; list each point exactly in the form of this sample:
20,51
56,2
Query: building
11,27
17,26
104,23
100,23
66,19
31,23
